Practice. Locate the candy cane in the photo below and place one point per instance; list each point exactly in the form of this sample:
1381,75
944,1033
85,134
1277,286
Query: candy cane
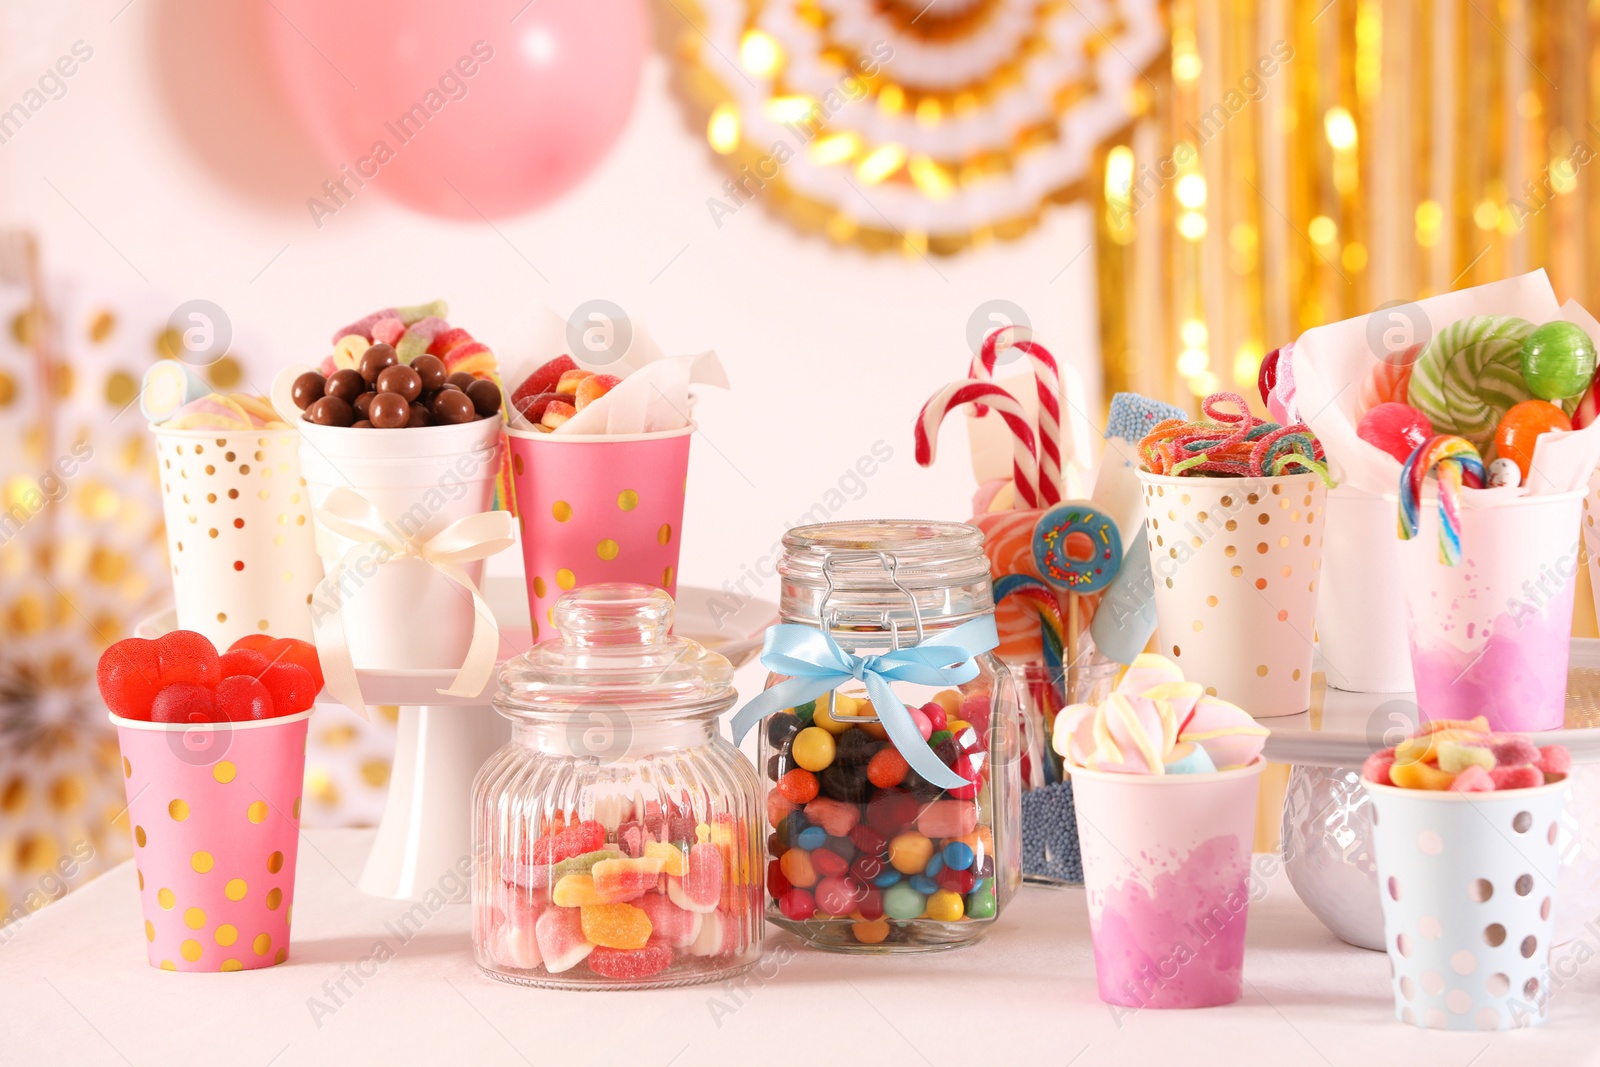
957,394
1047,382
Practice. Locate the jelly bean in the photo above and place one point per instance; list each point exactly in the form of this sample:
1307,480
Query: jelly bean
980,903
887,769
615,925
923,884
830,721
812,837
935,864
948,818
778,806
630,965
909,852
782,727
855,746
981,841
777,763
799,785
900,901
870,841
871,904
846,784
945,906
874,932
866,867
624,879
797,904
674,859
561,942
777,881
805,712
938,736
888,878
829,864
891,811
838,896
972,771
576,890
796,867
834,816
950,700
813,748
795,825
920,721
956,881
958,855
936,714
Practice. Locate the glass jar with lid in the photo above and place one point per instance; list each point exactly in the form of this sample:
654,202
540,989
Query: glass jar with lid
617,835
889,740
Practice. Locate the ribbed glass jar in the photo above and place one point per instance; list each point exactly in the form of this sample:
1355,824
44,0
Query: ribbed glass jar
864,854
617,834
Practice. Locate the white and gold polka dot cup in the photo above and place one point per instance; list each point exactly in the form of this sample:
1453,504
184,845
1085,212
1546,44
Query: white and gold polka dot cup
404,614
215,812
1468,885
1236,564
598,509
239,534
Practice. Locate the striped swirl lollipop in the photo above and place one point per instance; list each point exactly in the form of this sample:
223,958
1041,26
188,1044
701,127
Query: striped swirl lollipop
1457,462
1470,375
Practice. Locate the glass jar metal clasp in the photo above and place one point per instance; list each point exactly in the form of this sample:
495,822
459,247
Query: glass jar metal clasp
886,620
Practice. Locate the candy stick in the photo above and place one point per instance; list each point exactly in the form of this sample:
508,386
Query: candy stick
1047,382
1456,462
958,394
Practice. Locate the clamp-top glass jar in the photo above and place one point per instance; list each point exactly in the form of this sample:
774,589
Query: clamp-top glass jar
617,834
866,853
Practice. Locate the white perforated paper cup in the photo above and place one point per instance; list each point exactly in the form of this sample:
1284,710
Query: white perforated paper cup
1361,612
405,614
1237,565
1468,883
239,535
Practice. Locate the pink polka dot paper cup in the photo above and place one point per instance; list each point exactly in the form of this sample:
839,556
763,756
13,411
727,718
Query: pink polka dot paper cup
1468,884
1166,871
215,811
598,509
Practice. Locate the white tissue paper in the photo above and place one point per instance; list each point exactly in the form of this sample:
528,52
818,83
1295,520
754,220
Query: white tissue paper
1331,362
652,397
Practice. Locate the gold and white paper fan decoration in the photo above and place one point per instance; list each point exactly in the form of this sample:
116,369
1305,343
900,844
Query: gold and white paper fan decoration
908,124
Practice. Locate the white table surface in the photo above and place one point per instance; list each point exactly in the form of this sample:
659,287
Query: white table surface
75,988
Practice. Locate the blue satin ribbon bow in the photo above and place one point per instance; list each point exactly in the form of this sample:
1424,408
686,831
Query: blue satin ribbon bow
816,665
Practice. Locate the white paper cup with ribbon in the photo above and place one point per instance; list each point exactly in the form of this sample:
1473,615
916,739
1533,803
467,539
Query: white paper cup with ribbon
401,559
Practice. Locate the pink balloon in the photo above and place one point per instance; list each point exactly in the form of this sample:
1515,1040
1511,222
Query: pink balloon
458,107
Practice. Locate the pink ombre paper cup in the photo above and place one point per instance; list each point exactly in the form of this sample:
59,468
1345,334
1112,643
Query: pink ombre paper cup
1166,870
598,509
1490,636
215,811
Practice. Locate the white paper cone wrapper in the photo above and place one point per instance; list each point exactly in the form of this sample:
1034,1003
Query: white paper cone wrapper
1591,535
239,533
405,614
1490,636
1468,883
1237,565
1361,611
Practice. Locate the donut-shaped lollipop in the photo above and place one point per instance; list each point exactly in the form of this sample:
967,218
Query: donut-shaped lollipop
1055,563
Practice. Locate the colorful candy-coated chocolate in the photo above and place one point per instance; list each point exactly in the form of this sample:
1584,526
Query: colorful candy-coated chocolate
828,863
799,785
945,906
1519,432
958,855
797,904
909,852
870,932
922,884
981,902
1558,360
813,748
812,837
1395,428
900,901
836,817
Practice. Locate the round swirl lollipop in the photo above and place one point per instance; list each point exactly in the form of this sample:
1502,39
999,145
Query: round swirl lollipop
1558,360
1470,375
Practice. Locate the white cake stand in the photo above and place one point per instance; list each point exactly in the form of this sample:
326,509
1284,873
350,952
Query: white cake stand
425,834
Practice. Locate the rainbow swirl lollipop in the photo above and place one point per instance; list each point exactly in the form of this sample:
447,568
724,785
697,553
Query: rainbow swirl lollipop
1457,462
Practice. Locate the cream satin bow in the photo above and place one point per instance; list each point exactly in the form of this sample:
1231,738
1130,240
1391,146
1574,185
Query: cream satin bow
347,514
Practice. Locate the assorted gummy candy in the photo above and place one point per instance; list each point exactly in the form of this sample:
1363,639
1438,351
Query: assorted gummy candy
859,837
1465,756
629,894
179,678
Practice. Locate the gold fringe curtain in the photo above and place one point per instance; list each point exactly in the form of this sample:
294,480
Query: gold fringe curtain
1296,163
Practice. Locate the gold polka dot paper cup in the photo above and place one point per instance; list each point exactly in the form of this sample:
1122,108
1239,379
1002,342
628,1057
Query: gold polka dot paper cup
1236,564
598,509
215,812
239,533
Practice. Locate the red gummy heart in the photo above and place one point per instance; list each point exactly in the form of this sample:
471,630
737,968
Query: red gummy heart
184,702
291,687
186,656
302,654
129,674
242,698
242,661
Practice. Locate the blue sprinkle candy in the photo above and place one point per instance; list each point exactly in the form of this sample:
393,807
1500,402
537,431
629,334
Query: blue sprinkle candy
1050,835
888,878
957,855
923,884
1133,416
813,837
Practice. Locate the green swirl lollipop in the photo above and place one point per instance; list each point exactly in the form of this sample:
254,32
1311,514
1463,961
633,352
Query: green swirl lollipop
1470,374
